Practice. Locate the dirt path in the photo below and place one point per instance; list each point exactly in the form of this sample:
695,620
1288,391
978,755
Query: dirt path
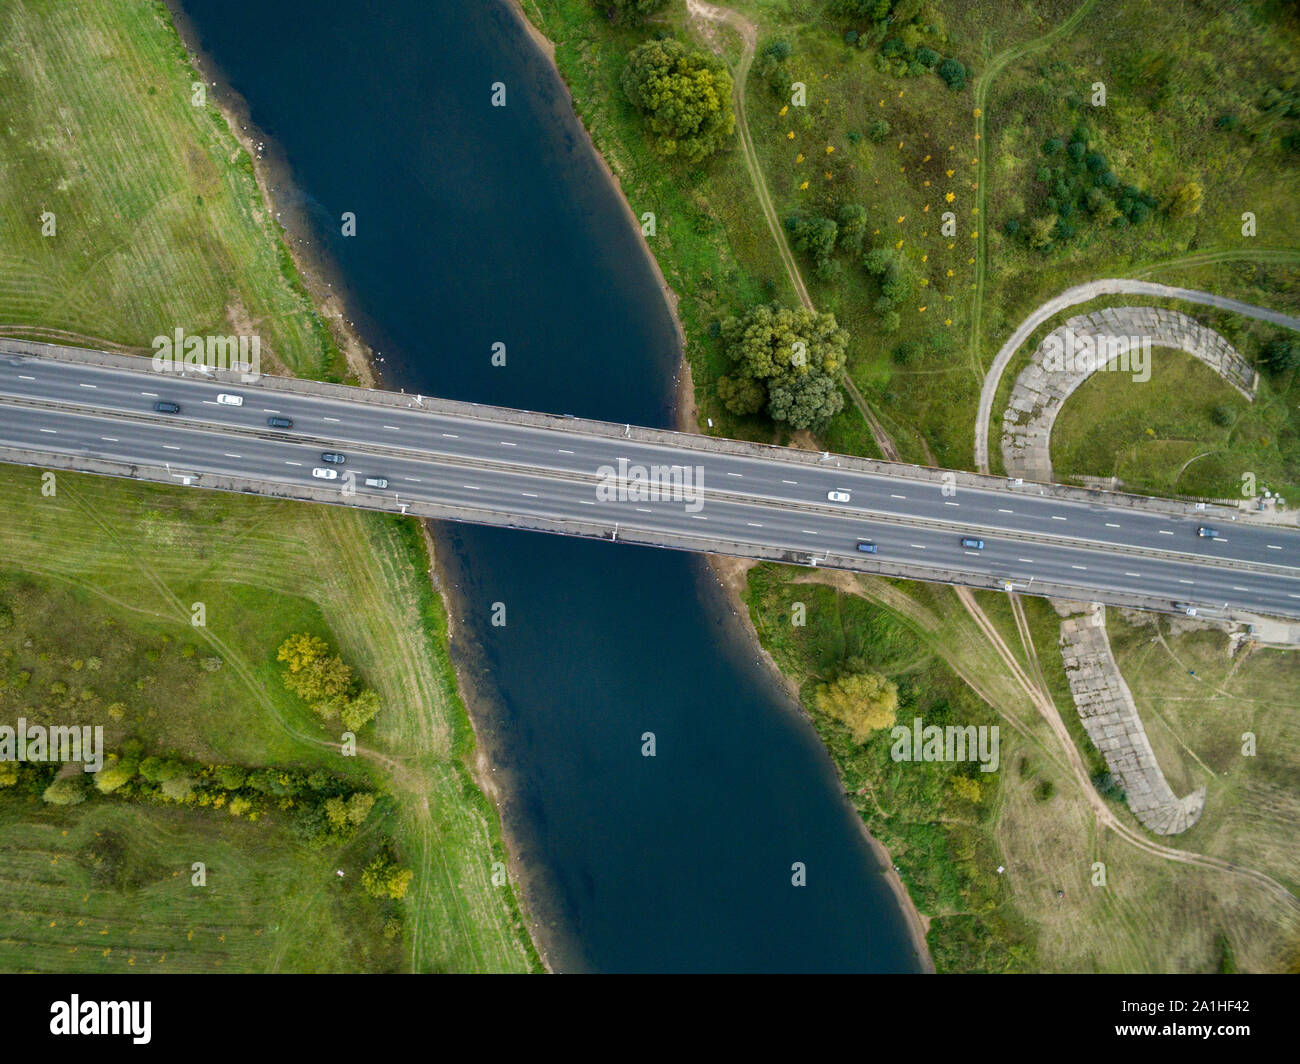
706,18
1105,816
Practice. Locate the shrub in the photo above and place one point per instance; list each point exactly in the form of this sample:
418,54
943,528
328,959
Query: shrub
953,74
878,131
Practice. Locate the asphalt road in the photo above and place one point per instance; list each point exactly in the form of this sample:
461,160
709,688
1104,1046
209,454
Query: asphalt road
524,470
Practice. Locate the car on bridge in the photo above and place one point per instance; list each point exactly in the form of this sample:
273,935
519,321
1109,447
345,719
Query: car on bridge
332,457
866,546
376,482
325,474
227,399
280,422
164,407
838,496
1206,532
971,543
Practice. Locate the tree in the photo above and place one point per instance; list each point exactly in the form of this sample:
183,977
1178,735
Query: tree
814,236
685,94
116,773
630,12
1042,231
361,710
853,224
1186,200
385,878
314,674
953,74
862,700
795,355
178,788
741,395
231,777
161,769
1281,354
66,790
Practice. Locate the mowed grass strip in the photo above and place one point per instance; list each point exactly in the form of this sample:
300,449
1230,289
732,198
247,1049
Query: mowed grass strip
156,215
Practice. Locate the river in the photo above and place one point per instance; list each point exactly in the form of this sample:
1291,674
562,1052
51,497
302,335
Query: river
478,225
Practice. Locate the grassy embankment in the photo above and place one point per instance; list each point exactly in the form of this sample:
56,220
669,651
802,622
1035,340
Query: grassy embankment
159,223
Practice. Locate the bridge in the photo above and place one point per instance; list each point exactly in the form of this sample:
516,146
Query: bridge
93,411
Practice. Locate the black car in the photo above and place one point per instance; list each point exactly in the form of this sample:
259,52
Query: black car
332,457
280,422
164,407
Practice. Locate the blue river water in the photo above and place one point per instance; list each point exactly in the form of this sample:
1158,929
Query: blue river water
478,225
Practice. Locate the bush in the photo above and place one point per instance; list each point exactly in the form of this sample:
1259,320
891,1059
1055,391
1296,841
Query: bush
878,131
953,74
1221,415
66,790
630,12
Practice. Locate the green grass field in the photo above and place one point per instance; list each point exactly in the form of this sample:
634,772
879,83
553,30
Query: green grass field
160,223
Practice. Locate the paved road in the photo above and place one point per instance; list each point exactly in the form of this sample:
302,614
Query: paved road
475,459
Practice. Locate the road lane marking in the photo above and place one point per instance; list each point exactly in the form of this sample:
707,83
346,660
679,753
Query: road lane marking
563,451
1027,561
87,385
643,510
898,496
974,553
23,378
392,428
151,395
505,444
586,502
329,419
114,439
528,494
1165,532
413,480
170,447
293,463
699,517
471,487
1111,524
451,436
789,482
807,532
917,546
1133,574
1271,547
1006,511
52,432
1083,567
1187,581
952,504
735,474
753,524
232,456
1056,518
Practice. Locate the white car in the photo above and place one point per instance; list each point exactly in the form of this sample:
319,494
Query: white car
321,473
226,399
838,496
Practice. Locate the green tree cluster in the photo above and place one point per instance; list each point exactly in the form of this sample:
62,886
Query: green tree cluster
788,361
685,96
862,700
